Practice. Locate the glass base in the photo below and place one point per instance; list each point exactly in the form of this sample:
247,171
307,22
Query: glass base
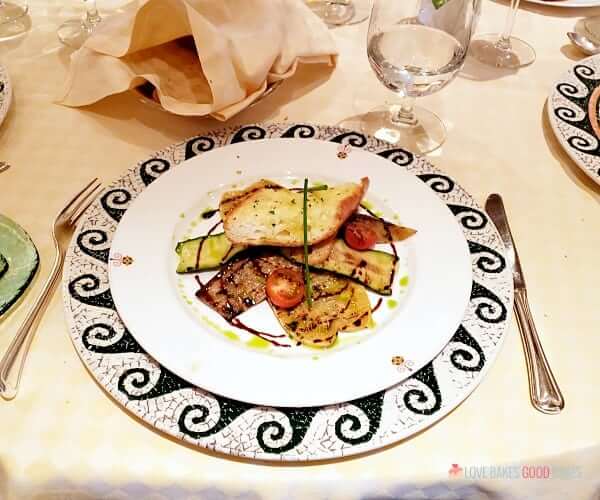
341,12
10,11
423,136
486,49
73,33
13,20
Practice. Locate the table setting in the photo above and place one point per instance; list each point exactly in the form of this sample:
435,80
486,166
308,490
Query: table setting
238,261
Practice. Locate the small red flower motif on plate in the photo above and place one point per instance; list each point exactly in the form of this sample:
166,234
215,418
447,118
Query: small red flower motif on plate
343,151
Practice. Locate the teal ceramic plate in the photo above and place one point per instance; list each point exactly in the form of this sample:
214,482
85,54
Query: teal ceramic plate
19,253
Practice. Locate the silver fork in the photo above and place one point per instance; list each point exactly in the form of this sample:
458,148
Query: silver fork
62,230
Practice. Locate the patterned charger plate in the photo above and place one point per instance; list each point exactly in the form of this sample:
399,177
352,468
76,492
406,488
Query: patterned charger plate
5,93
172,405
573,110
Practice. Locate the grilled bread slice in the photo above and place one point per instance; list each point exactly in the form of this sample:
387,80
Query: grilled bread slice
266,213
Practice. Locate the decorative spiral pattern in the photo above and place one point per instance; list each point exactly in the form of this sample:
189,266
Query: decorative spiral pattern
300,131
398,156
438,182
198,145
193,418
92,241
491,261
152,169
568,90
90,283
466,353
568,115
469,217
427,400
103,338
350,428
270,435
576,115
581,70
116,202
136,383
583,144
352,138
490,308
250,133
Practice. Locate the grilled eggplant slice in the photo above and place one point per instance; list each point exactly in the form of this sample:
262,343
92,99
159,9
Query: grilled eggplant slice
372,268
214,249
338,305
385,231
241,283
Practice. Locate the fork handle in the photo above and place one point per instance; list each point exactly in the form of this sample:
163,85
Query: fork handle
20,343
543,390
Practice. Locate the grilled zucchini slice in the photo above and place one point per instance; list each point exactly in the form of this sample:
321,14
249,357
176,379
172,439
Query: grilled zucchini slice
215,250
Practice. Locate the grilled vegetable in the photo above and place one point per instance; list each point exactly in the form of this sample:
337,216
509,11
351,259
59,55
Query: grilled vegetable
266,213
385,232
338,305
372,268
215,250
3,265
241,283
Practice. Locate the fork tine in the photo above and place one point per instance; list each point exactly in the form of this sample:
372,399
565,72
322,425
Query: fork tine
84,204
71,205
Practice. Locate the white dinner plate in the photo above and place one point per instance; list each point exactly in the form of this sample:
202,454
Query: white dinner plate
573,123
429,296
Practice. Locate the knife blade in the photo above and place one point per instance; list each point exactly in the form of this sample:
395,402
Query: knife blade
544,392
495,209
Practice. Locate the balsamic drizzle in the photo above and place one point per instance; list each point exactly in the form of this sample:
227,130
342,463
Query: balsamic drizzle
263,335
204,238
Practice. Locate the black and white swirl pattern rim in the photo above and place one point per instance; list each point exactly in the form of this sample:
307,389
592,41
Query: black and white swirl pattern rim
564,114
303,434
5,93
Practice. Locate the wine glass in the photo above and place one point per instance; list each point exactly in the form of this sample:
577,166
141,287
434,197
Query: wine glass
76,31
415,47
9,13
503,50
340,12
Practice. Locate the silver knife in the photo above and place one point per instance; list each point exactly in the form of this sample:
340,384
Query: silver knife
543,390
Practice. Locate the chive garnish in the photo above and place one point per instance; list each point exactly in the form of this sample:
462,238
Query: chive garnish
305,224
322,187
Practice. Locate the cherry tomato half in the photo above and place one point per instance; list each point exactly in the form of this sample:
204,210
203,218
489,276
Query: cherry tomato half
285,287
359,236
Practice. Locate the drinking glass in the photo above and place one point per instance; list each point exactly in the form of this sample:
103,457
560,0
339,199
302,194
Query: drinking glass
503,50
415,47
340,12
9,13
76,31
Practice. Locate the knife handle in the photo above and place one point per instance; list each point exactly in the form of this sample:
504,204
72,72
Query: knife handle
543,390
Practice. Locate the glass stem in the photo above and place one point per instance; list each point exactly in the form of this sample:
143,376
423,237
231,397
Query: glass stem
504,42
404,113
92,17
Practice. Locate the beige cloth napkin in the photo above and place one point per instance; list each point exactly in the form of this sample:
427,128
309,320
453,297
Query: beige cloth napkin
238,46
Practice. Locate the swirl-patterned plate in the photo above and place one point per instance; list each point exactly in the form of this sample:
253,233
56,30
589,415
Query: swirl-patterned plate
5,93
172,405
573,110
